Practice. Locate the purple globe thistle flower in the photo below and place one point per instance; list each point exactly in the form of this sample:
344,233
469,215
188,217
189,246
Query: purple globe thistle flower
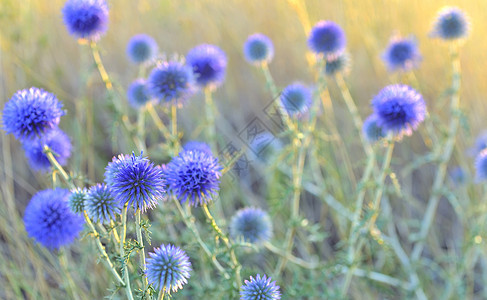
49,220
265,146
168,268
137,93
141,48
134,180
86,19
480,142
481,166
31,113
327,38
209,64
337,63
197,146
57,141
399,109
402,54
76,200
251,224
193,176
100,205
260,288
171,81
371,131
451,24
296,99
258,49
458,175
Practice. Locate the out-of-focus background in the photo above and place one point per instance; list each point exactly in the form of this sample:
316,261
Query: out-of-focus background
36,50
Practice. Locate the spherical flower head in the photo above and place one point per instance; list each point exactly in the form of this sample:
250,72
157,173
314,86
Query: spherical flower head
141,48
327,38
251,224
135,181
168,268
260,288
451,24
197,146
399,109
402,54
258,49
193,176
56,140
76,200
265,146
481,166
209,64
458,175
296,99
337,63
86,19
100,204
49,220
371,130
137,93
31,113
171,82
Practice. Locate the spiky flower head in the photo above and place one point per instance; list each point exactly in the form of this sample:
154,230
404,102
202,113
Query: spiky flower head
296,99
137,93
193,176
209,64
49,220
258,49
371,131
251,224
451,23
171,82
265,146
197,146
31,113
56,140
141,48
86,19
100,205
76,200
135,181
339,63
399,109
260,288
402,54
168,268
481,166
327,38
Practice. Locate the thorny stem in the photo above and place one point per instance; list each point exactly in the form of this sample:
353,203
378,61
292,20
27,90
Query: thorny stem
125,269
140,240
187,219
219,233
210,118
445,157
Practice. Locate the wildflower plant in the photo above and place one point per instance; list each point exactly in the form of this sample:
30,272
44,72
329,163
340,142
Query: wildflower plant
345,200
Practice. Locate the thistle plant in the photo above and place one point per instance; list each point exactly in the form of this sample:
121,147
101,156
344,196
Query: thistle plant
156,178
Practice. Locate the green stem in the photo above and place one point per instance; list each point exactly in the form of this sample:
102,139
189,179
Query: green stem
210,118
138,230
375,213
297,185
70,286
219,233
140,130
174,120
125,269
160,125
275,96
188,221
162,294
445,157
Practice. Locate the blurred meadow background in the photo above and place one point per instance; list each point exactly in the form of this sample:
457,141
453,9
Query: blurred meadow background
36,50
